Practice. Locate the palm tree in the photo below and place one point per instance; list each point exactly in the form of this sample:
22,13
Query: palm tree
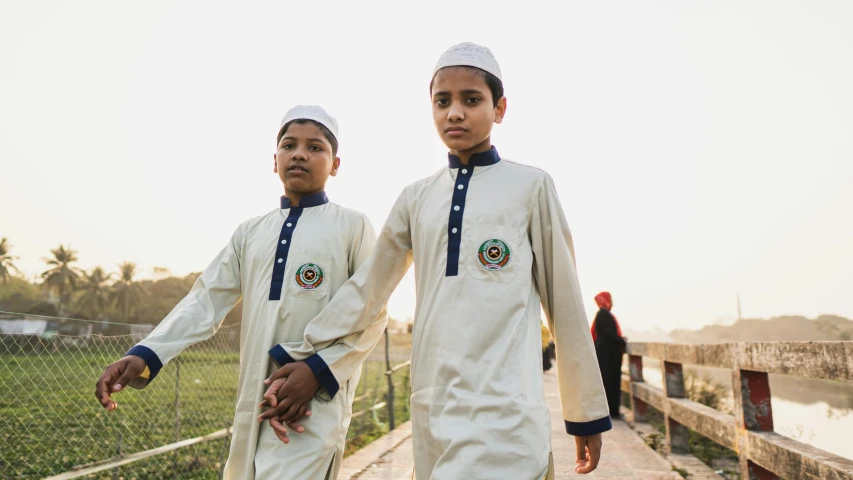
94,300
6,265
62,278
127,294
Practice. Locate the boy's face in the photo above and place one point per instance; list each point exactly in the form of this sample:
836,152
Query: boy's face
463,109
304,159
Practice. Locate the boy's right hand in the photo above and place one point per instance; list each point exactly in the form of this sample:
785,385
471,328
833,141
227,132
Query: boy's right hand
116,377
588,453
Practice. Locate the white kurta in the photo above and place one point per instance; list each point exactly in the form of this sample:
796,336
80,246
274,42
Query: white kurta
489,242
286,265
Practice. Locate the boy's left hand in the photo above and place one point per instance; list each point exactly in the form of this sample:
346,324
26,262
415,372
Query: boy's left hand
588,453
291,401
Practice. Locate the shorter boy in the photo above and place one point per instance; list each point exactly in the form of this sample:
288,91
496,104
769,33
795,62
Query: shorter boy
286,265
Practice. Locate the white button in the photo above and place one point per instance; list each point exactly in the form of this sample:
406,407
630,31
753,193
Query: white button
454,230
456,208
284,242
460,187
464,171
280,260
289,224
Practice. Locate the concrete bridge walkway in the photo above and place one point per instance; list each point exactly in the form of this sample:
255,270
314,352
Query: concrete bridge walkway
625,455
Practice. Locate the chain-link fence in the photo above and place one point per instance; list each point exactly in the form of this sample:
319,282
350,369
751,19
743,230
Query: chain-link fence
51,423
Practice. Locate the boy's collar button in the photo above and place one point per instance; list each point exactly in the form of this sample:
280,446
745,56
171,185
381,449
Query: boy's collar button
464,171
460,187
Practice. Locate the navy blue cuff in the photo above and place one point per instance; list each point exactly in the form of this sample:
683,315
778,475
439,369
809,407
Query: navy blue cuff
280,355
323,374
585,429
152,361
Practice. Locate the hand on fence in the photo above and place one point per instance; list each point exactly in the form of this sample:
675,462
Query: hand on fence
116,377
588,453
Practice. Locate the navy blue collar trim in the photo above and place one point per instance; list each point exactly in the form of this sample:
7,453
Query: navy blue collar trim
481,159
313,200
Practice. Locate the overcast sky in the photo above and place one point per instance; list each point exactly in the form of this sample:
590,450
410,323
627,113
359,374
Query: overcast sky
700,149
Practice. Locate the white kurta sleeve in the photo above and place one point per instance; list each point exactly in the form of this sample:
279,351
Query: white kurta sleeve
197,317
584,404
345,332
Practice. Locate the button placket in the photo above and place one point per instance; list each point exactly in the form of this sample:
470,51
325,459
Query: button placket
454,224
281,252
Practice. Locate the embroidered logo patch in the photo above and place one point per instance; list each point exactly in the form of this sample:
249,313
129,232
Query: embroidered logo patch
493,254
309,276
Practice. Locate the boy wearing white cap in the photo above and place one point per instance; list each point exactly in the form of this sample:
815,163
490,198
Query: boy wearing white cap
490,243
286,265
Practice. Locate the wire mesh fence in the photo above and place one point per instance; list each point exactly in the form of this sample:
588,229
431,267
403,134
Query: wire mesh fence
51,423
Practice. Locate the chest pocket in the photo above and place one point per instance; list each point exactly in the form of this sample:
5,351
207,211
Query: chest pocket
308,276
492,252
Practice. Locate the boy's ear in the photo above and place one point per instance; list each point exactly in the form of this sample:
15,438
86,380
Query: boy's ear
336,164
275,163
500,110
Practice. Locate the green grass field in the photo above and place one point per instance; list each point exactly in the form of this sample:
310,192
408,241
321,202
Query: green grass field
50,421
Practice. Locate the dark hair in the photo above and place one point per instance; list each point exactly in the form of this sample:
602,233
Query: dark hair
494,84
301,121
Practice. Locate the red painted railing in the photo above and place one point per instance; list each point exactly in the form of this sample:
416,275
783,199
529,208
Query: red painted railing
763,454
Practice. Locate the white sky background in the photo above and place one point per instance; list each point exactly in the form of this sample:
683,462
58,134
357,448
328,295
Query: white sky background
700,149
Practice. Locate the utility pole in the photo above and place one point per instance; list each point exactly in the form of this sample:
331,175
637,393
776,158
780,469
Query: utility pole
738,307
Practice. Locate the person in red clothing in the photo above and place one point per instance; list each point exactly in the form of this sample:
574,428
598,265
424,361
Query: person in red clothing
609,347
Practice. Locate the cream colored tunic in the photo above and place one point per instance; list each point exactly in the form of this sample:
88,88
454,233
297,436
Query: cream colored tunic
490,242
287,265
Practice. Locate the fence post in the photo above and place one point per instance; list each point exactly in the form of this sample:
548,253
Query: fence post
753,411
177,409
673,386
225,441
118,454
407,389
635,369
388,374
177,398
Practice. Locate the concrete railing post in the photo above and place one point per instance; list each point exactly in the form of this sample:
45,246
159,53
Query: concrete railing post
753,411
635,369
673,387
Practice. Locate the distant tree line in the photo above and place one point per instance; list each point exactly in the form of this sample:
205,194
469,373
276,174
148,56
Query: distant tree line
65,290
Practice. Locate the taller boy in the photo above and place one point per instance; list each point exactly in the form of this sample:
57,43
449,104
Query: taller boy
490,242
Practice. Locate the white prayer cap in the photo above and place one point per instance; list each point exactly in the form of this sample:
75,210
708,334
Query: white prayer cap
469,54
311,112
